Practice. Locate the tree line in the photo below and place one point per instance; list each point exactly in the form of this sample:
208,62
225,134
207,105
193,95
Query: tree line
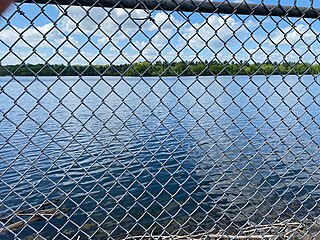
183,68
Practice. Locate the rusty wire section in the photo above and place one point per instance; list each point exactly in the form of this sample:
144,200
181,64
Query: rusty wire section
140,123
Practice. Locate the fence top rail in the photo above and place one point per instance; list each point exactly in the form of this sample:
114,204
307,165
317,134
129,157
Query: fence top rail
204,6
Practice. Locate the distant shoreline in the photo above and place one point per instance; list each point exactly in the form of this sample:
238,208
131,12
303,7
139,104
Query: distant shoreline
167,76
147,69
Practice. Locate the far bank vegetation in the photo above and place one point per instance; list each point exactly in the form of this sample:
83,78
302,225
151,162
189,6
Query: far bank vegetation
162,69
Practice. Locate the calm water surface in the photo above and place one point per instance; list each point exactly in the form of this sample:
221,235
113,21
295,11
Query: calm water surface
199,152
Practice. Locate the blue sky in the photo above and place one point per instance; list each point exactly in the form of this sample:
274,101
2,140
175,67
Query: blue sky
60,35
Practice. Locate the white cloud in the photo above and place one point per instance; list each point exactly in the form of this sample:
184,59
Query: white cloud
164,22
215,32
45,36
126,35
298,34
25,37
100,21
290,43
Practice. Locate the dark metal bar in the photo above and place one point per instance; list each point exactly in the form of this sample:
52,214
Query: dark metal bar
205,6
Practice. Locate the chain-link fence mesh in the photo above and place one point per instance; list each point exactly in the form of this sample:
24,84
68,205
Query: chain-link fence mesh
159,119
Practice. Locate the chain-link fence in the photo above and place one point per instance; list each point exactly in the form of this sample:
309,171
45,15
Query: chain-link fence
159,119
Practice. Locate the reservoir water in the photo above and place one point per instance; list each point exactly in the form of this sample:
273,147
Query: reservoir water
170,155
